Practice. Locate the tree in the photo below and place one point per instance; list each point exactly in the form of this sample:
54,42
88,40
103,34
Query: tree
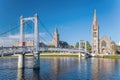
89,48
70,46
77,45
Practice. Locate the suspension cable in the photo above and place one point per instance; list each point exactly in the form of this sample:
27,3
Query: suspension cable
43,25
9,30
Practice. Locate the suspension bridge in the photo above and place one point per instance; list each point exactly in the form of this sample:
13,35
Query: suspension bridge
21,50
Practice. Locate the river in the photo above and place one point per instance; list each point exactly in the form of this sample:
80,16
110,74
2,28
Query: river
61,68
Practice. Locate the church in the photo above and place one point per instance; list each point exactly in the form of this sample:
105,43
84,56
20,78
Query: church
56,41
101,45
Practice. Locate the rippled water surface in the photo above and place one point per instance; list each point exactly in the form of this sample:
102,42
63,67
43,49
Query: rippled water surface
61,68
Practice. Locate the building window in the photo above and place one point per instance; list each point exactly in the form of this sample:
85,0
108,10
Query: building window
95,41
94,46
94,28
103,44
94,34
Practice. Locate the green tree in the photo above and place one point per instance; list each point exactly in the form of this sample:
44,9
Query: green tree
77,45
70,46
89,48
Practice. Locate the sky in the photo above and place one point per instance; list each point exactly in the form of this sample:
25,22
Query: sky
73,18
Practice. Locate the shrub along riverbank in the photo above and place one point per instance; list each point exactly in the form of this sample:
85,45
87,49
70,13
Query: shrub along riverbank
109,56
49,54
76,55
112,56
58,55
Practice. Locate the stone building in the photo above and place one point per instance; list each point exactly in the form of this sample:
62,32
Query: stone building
63,44
16,43
56,42
107,46
56,38
103,45
29,43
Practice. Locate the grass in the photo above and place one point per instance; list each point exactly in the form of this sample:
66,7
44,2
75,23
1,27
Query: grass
53,54
109,56
49,54
112,56
58,55
8,56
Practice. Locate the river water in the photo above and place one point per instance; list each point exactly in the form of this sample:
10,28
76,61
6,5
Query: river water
61,68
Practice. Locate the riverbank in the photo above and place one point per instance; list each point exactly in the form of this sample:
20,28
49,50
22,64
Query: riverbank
109,56
76,55
66,55
58,55
47,55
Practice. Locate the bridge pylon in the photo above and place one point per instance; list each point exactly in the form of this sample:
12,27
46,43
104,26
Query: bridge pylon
36,52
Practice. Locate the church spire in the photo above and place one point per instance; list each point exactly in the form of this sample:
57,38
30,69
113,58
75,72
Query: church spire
56,31
56,38
95,16
95,35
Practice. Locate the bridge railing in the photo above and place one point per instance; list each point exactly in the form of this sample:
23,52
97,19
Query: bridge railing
14,50
30,49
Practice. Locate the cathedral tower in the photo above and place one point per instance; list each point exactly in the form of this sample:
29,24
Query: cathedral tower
56,38
95,35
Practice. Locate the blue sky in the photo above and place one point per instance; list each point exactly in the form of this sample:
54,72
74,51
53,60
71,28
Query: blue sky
73,18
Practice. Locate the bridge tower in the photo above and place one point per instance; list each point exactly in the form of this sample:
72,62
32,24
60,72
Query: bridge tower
95,35
82,45
34,19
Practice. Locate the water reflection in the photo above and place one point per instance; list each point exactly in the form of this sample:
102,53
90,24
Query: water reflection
36,75
62,68
21,74
28,73
86,69
105,69
58,68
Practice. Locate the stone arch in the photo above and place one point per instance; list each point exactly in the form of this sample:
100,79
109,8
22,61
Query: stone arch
103,50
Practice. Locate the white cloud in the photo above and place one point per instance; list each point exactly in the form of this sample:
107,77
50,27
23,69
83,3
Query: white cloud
14,36
17,36
10,39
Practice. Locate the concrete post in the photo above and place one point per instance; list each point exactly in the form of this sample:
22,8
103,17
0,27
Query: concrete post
36,45
20,75
36,75
2,54
21,61
36,61
85,46
79,49
21,30
36,33
13,50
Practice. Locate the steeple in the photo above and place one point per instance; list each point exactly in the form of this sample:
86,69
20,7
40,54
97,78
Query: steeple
95,16
95,21
95,34
56,38
56,31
